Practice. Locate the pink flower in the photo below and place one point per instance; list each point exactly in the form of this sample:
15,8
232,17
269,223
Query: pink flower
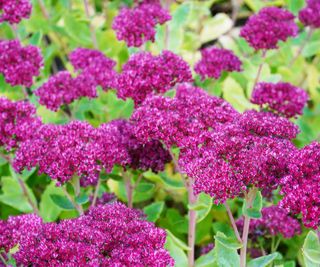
13,11
310,15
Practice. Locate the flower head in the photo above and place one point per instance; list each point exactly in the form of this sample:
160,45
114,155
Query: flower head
62,89
62,151
136,26
108,235
216,60
248,151
310,15
19,64
18,122
274,221
283,98
144,74
301,187
180,120
94,65
271,25
13,11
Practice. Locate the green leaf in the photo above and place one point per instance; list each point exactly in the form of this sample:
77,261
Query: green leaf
225,256
81,199
202,206
311,250
36,39
62,202
177,241
77,30
295,5
48,210
112,176
13,195
228,242
153,211
206,260
264,260
176,252
144,187
255,210
25,174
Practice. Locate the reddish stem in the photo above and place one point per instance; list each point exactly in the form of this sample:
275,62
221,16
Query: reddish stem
233,223
92,31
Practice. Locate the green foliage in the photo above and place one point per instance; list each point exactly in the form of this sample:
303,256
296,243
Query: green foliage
311,250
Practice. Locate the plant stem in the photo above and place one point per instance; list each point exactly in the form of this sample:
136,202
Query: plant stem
129,190
243,252
95,194
259,69
192,199
302,47
43,9
93,35
2,259
77,207
233,223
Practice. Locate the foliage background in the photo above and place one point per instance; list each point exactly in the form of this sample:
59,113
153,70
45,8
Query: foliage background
195,25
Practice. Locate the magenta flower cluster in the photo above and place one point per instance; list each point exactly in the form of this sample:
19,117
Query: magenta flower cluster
19,64
78,149
310,15
105,198
253,149
271,25
137,25
144,74
282,98
216,60
274,221
13,11
180,120
62,89
18,122
108,235
301,187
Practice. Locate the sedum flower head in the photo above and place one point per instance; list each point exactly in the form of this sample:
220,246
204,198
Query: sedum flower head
252,150
144,74
13,11
18,122
19,64
271,25
310,15
275,221
216,60
301,187
137,25
283,98
107,235
180,120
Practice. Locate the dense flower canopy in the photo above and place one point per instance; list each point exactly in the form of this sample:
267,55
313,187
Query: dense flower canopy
301,188
283,98
18,122
274,221
252,150
271,25
144,74
13,11
108,235
137,25
19,64
310,15
179,121
216,60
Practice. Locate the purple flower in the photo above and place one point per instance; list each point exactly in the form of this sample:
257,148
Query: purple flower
301,188
93,64
63,89
19,64
271,25
310,15
13,11
216,60
284,98
18,122
251,150
62,151
275,221
206,249
179,121
144,74
137,25
108,235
